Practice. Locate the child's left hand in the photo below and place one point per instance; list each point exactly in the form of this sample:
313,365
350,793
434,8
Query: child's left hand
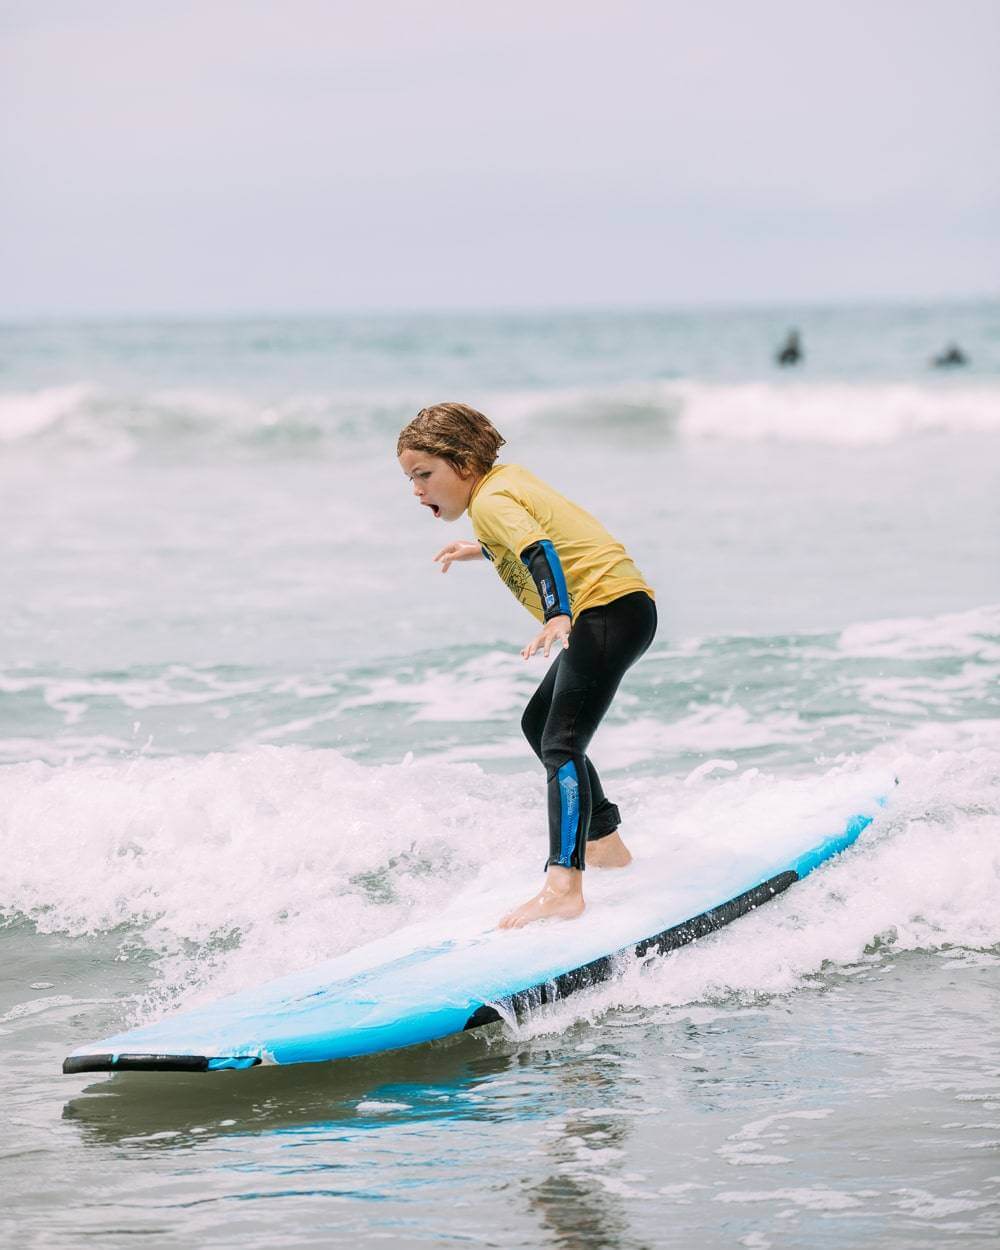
555,630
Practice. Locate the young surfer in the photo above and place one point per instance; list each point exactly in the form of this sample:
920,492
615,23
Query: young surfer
592,602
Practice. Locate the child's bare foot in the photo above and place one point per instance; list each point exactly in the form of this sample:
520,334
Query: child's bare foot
560,898
609,852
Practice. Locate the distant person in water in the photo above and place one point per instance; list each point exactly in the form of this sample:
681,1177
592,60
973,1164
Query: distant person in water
790,353
951,356
593,605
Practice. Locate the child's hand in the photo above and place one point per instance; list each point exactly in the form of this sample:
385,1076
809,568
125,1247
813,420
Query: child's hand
556,630
458,551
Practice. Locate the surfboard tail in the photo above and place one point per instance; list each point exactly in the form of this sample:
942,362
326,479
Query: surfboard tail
110,1062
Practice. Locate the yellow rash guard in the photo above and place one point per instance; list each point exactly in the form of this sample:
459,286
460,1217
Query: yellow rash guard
513,511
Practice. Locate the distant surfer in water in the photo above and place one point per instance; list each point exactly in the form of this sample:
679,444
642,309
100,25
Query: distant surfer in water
790,352
950,357
591,600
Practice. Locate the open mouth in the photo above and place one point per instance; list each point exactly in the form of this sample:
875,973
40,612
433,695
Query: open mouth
434,508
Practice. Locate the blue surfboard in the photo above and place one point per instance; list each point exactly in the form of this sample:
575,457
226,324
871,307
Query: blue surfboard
459,972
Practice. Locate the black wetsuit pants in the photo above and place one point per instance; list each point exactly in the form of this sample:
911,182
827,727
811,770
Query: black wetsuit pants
566,709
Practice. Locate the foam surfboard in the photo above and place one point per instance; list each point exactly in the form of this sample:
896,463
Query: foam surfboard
458,972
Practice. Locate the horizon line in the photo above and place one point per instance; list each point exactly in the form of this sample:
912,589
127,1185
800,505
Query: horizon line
291,313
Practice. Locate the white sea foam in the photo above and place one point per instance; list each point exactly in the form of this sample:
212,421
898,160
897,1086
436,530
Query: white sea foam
119,423
487,687
27,414
291,854
239,867
35,1006
837,413
811,1198
974,634
708,729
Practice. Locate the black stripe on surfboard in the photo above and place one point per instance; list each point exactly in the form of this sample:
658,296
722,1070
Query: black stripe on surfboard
607,966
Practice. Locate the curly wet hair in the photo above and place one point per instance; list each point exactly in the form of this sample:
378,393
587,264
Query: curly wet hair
454,432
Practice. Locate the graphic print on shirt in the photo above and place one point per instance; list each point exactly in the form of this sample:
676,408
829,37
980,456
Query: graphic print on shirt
515,576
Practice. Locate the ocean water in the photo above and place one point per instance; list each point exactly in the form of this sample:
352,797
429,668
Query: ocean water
245,724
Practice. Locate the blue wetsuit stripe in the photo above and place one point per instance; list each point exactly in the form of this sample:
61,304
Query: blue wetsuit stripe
569,803
562,594
542,563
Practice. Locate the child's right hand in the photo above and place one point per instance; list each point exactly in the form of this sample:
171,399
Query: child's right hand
458,551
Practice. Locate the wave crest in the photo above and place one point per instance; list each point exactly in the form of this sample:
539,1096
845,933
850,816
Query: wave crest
833,413
87,417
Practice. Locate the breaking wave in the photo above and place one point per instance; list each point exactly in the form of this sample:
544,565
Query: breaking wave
85,417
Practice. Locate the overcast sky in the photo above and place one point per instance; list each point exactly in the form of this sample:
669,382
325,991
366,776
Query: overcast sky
286,155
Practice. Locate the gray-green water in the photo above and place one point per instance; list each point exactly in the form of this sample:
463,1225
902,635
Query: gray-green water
244,725
863,1110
